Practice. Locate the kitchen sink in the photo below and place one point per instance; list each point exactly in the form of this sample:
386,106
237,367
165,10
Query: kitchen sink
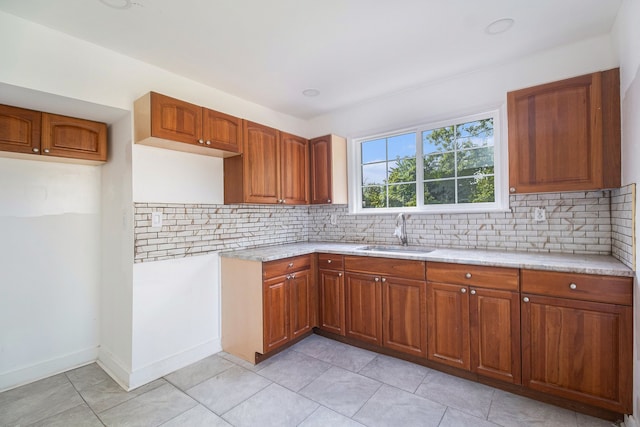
395,249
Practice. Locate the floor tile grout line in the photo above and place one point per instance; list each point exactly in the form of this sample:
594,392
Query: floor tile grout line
83,399
238,404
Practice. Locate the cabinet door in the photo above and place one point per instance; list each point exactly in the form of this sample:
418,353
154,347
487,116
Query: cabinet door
276,310
294,170
578,350
363,297
19,130
321,174
301,303
555,136
404,325
222,131
74,138
448,324
261,164
332,301
494,318
175,119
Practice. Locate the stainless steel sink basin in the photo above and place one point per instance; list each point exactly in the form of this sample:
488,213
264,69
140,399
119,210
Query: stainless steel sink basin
395,249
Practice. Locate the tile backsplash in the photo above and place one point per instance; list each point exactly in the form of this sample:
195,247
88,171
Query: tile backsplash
597,222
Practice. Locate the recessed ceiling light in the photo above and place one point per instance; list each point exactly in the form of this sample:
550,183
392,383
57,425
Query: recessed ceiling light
499,26
311,92
117,4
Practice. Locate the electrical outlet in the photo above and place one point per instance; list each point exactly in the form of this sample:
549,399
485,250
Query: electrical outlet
540,215
156,219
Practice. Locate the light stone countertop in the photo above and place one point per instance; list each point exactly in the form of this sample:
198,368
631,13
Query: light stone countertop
589,264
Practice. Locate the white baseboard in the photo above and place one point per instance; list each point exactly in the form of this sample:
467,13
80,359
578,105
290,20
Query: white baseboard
631,421
114,367
146,374
47,368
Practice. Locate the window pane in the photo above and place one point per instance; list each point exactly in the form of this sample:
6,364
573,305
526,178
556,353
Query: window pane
477,160
439,166
375,173
374,151
439,192
374,197
402,195
476,190
477,131
402,170
438,140
402,146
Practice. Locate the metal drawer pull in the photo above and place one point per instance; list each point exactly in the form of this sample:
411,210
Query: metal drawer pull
473,291
463,290
525,299
468,275
328,261
573,286
290,264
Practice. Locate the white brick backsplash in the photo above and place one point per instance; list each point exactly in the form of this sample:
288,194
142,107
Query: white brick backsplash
577,222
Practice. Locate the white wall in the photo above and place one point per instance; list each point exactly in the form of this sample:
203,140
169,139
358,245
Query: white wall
627,36
50,272
176,315
469,93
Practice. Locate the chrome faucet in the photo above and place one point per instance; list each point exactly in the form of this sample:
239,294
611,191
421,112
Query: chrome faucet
401,229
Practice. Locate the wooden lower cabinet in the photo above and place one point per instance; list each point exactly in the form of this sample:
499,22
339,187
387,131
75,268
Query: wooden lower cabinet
474,321
577,337
276,313
363,307
404,312
331,298
301,303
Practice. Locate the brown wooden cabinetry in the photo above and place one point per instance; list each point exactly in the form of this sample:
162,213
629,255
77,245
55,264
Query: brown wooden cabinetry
565,136
272,169
331,293
474,319
170,123
51,135
578,348
385,303
328,167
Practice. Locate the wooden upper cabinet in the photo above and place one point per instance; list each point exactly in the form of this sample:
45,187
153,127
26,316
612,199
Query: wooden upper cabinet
19,130
273,168
166,122
294,174
328,170
73,138
175,119
221,130
565,136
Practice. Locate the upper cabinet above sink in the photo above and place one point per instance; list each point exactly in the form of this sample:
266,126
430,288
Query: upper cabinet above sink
166,122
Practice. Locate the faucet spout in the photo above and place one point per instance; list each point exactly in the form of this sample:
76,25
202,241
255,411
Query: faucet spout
401,229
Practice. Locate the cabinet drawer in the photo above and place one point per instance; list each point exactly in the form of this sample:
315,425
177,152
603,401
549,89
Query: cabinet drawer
587,287
473,275
286,265
331,261
400,268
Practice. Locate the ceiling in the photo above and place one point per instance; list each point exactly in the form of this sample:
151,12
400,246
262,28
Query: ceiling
352,51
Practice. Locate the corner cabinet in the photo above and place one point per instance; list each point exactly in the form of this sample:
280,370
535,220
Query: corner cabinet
165,122
273,168
328,167
46,136
266,305
577,337
565,136
474,319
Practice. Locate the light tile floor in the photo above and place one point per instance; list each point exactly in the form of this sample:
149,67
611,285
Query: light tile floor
317,382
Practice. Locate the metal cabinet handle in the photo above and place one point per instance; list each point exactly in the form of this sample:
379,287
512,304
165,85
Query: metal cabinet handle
328,200
339,274
463,290
201,141
512,189
283,201
384,279
35,150
288,276
46,150
328,261
293,276
377,279
525,299
290,264
468,275
208,142
573,286
473,291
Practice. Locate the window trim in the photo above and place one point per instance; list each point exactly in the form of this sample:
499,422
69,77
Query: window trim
501,203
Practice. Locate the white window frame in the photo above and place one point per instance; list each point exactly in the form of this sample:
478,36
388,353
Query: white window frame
501,203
